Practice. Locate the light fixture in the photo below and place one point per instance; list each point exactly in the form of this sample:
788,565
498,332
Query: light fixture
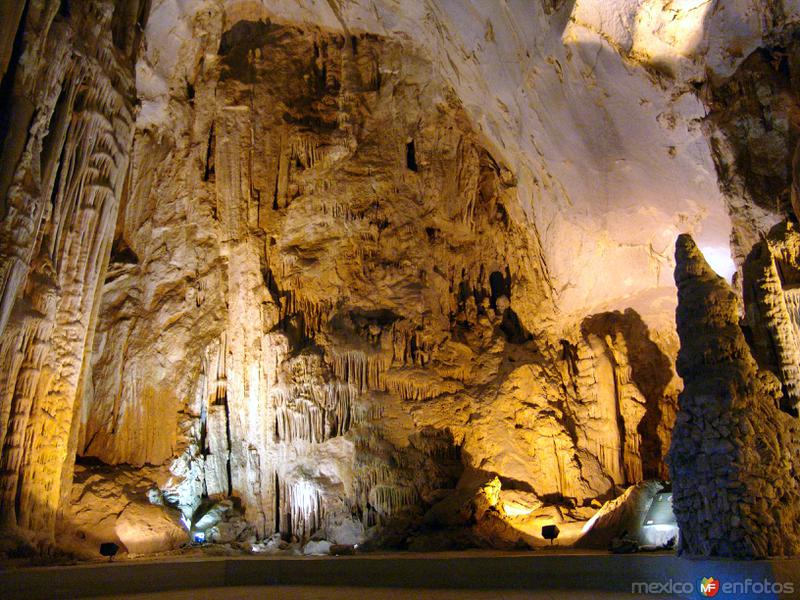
109,549
550,532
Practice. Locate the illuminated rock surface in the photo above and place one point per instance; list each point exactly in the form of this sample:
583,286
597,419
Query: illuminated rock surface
309,267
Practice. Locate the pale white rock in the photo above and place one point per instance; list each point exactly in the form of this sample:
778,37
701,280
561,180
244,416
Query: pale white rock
601,159
317,548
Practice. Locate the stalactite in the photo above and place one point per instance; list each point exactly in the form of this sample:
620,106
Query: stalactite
597,381
633,458
25,203
563,481
215,426
468,172
33,354
609,457
409,346
219,385
282,376
388,500
304,421
304,147
407,387
369,70
368,475
314,315
364,371
315,413
300,509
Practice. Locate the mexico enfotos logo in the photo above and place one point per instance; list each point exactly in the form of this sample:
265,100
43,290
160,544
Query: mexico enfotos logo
711,586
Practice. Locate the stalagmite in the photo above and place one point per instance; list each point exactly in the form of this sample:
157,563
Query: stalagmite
732,446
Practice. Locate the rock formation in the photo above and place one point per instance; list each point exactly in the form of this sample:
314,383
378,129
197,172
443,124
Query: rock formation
313,269
735,454
335,315
770,292
68,108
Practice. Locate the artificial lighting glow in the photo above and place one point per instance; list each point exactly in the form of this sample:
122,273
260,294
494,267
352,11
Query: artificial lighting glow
658,535
306,496
590,523
719,259
664,33
516,510
675,27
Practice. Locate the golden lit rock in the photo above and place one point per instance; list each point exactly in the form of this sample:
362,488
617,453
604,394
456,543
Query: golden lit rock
390,275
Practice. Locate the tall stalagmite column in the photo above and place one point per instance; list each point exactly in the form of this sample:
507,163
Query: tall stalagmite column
735,455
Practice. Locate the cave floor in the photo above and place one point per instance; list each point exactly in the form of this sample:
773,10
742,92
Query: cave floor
360,593
543,574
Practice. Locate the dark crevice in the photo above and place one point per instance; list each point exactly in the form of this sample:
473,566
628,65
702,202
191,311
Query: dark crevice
411,157
57,179
500,285
209,174
122,253
49,143
92,461
275,191
272,286
228,435
569,354
513,329
86,447
204,430
7,85
127,25
277,503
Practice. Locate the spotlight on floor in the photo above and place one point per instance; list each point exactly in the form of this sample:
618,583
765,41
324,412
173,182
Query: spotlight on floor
109,549
550,532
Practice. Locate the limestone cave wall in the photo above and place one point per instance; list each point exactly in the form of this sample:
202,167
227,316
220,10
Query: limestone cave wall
319,303
313,295
317,270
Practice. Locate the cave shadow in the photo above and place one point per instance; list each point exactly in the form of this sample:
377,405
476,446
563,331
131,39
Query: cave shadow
559,13
68,544
651,372
432,464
